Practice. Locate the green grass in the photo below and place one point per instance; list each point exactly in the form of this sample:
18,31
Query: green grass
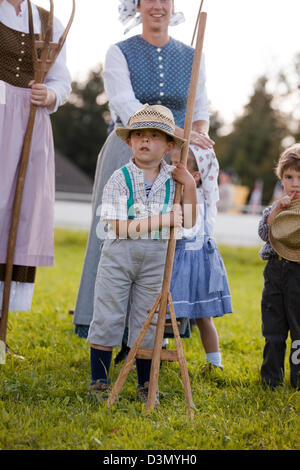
43,400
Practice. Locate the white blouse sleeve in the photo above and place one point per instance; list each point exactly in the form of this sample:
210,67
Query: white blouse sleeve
118,88
59,78
201,112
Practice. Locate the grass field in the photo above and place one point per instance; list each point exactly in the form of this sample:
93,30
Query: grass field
44,403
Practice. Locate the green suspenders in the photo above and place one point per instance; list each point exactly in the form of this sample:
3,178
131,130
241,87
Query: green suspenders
130,200
167,197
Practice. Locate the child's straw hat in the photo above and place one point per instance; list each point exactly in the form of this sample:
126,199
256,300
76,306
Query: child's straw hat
151,117
284,234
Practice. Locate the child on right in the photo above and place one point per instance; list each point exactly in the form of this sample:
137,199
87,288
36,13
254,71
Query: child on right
199,285
280,305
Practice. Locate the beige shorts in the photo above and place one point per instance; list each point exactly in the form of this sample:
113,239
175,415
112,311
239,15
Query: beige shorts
129,271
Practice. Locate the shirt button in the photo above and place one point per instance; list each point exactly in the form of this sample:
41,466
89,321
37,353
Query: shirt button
158,49
160,57
158,102
160,66
161,93
161,74
17,75
22,43
17,68
22,52
23,35
161,84
20,60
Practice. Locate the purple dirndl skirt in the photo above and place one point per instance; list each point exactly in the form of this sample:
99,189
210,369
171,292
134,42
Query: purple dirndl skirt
34,245
199,285
35,238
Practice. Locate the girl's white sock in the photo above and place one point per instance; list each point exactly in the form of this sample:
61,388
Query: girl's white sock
214,358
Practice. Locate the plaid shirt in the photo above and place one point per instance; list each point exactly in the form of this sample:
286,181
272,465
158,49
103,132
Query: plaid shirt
266,251
116,194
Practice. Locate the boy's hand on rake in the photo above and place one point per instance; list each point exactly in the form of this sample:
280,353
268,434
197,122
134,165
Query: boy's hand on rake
176,217
182,176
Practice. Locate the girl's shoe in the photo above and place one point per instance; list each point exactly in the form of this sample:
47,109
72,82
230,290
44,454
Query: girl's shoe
8,350
208,367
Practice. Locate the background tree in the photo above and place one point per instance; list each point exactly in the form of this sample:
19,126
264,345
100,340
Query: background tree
268,123
215,124
288,97
80,126
255,142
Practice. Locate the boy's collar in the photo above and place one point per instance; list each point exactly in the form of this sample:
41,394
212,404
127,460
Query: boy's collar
163,166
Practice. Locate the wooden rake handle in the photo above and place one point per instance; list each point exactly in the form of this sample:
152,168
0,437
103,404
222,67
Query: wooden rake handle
172,242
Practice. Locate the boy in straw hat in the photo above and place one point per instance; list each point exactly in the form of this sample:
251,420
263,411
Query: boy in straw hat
137,207
280,229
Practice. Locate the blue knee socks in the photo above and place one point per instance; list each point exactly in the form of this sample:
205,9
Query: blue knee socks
100,364
143,367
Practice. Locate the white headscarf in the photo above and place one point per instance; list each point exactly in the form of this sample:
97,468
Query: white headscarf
127,12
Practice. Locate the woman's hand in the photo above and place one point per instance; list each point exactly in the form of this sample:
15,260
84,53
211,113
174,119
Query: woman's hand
41,95
198,136
203,141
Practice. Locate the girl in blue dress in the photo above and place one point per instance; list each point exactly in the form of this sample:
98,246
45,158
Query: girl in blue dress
199,285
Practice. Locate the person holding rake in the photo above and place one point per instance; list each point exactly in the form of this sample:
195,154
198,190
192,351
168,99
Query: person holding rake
137,207
34,244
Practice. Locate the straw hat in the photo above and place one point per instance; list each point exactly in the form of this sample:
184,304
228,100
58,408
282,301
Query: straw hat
151,117
284,232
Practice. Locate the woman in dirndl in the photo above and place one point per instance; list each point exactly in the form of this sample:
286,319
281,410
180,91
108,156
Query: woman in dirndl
149,68
34,244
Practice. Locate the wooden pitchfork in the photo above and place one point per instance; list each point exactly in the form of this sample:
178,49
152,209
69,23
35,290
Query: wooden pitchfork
164,298
44,54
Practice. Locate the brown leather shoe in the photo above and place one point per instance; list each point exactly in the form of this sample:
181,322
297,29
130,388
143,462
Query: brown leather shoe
99,390
142,394
208,367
